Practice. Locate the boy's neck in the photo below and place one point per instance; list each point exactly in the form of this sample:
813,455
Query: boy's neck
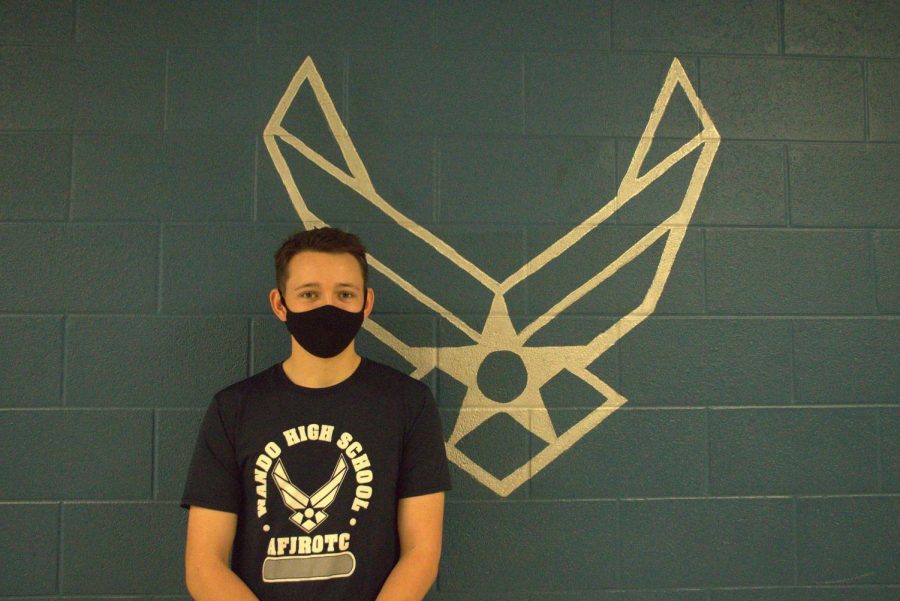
310,371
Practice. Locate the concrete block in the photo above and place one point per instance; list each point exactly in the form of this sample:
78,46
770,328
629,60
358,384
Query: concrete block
836,28
847,361
44,21
120,88
29,533
402,169
347,24
882,90
153,361
576,537
44,93
707,362
656,453
793,451
233,261
123,548
75,454
788,272
436,92
746,186
84,265
848,538
177,177
776,99
31,368
210,89
120,177
840,185
581,25
35,176
689,543
176,434
161,22
696,26
595,94
887,270
890,449
525,180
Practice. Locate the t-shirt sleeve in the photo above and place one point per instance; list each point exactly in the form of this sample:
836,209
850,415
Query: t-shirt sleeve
423,467
213,479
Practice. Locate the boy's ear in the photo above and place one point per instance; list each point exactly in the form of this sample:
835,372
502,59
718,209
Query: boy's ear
277,307
370,302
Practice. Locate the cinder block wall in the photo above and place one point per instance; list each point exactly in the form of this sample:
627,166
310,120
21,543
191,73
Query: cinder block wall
757,457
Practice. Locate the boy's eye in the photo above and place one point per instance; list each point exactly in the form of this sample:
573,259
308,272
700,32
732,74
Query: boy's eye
346,295
307,294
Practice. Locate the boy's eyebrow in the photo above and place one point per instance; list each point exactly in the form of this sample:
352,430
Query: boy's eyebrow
317,285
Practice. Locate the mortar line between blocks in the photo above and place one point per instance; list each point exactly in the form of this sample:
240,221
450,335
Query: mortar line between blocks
76,33
620,576
159,271
345,95
258,26
154,450
787,183
795,527
71,207
708,414
63,376
865,98
795,396
522,93
166,91
436,176
59,548
779,17
705,283
612,30
873,260
254,193
434,26
879,462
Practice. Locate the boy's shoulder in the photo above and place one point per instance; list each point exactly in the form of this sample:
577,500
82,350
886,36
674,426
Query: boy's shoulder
259,382
386,375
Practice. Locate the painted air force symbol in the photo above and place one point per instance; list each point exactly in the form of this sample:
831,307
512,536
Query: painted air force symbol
314,554
478,336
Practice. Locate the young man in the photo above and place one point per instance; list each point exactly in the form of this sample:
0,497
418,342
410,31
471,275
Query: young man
323,476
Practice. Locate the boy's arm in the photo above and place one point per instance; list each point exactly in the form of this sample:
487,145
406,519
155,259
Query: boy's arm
210,535
420,524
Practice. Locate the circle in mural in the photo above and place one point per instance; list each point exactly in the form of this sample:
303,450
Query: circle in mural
502,376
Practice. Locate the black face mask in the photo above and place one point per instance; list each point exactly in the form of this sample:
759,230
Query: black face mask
324,331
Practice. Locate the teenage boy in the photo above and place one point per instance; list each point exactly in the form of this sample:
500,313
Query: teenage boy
323,476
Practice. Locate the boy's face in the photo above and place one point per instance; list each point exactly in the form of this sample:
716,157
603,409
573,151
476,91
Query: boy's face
321,278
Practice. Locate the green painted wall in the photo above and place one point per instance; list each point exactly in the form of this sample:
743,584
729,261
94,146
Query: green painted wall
757,455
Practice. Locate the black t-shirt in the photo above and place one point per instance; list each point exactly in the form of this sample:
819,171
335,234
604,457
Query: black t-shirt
314,475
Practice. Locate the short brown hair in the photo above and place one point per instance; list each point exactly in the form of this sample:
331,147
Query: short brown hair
322,239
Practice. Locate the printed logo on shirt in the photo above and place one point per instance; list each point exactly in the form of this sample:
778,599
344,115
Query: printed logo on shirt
311,555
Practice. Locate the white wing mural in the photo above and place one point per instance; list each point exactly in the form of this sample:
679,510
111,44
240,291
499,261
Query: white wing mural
497,335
